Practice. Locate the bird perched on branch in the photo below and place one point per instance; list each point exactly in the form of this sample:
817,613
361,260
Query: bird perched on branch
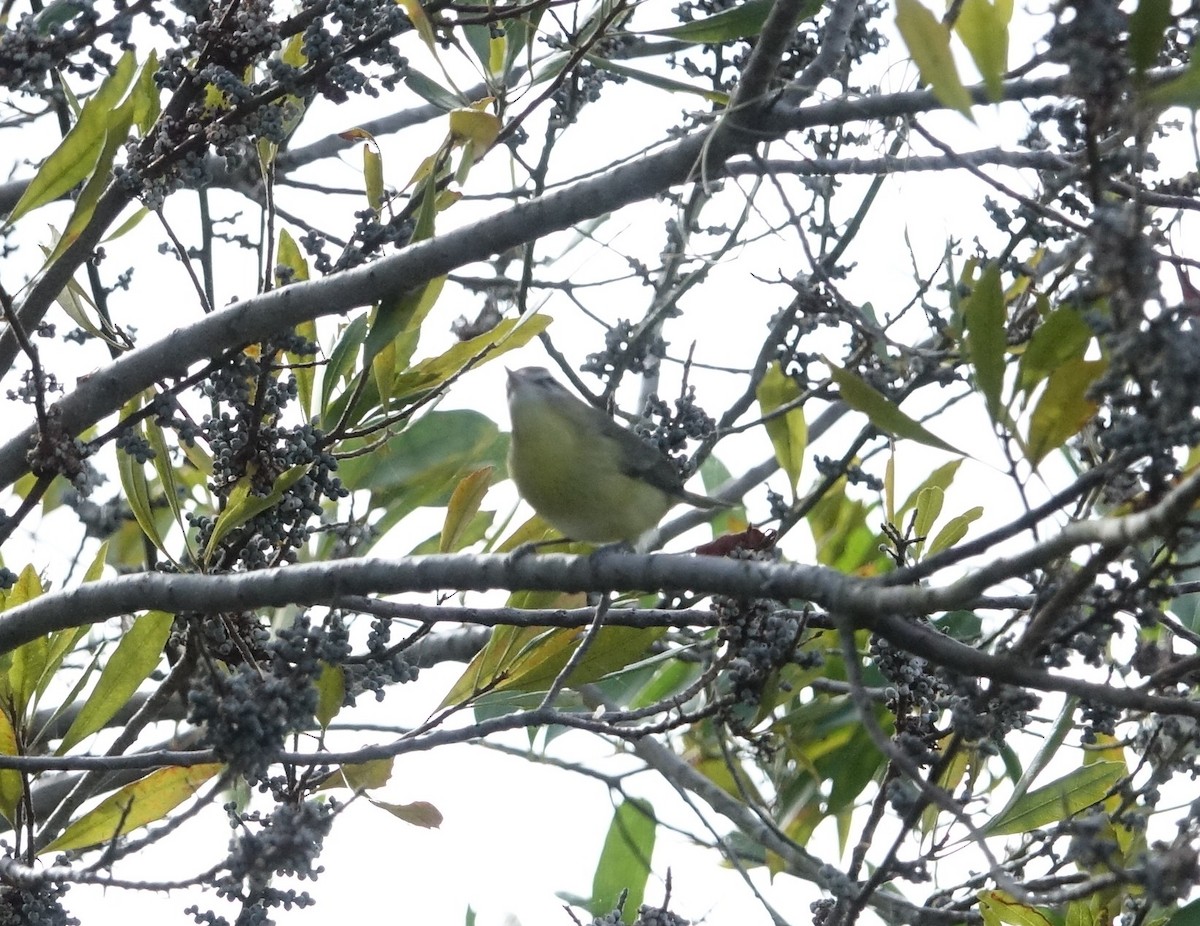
581,471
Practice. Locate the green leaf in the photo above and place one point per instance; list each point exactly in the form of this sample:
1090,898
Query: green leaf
359,776
1058,800
166,475
242,504
139,106
75,301
624,863
76,156
144,801
929,507
1000,907
984,316
129,224
928,42
399,313
1183,90
983,28
788,432
342,359
1062,336
738,22
942,478
288,255
331,692
883,412
25,665
422,464
954,530
1188,915
431,91
1063,408
1147,26
658,81
135,657
137,494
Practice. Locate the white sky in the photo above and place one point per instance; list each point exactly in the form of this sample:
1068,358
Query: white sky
514,832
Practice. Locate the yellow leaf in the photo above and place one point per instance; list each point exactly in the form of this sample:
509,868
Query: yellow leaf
418,813
416,13
1064,408
464,505
788,432
144,801
928,42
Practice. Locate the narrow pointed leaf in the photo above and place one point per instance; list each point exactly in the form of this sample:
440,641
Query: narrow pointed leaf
1064,407
882,411
788,432
146,800
464,504
624,863
1058,800
984,316
131,663
928,42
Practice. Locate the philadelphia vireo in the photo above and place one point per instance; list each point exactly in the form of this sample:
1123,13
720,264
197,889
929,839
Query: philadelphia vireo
589,477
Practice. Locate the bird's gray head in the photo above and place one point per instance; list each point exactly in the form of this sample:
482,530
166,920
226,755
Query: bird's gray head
532,380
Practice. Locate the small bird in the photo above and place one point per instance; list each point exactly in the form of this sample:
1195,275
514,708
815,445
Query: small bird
582,472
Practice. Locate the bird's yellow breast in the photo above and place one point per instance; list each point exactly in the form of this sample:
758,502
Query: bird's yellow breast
574,480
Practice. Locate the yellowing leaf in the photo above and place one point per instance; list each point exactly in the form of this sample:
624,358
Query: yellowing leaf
137,494
418,813
373,177
362,776
144,801
464,505
472,125
928,42
1063,408
243,504
983,28
1063,335
528,659
12,785
788,432
416,13
1000,907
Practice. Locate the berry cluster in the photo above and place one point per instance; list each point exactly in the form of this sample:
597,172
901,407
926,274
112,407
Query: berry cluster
379,667
286,842
34,905
760,638
247,713
624,351
253,448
